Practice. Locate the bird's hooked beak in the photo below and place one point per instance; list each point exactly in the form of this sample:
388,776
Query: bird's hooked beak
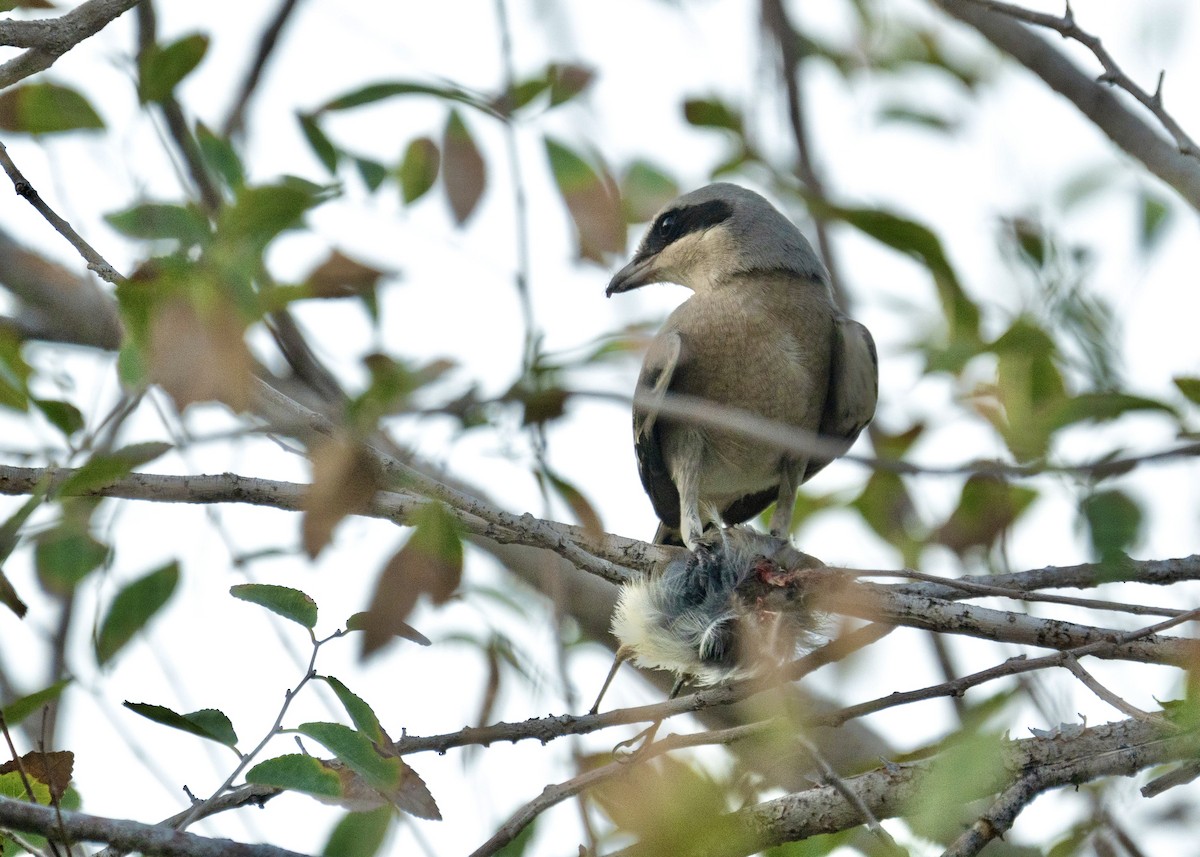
639,272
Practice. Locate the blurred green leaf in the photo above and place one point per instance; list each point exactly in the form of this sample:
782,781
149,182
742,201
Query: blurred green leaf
418,168
887,508
1101,407
359,834
322,147
567,81
17,710
375,92
1155,215
161,68
156,221
1114,522
644,190
221,158
1190,387
46,108
65,555
463,172
282,600
133,607
259,214
986,510
64,416
296,772
14,373
105,468
923,118
591,200
372,173
919,242
712,113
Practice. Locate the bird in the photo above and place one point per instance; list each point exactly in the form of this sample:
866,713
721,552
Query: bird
703,617
761,333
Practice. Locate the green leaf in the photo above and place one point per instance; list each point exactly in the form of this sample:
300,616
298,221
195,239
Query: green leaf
105,468
364,718
221,157
357,752
1101,407
381,91
62,415
9,536
283,600
644,190
591,200
14,373
296,772
567,81
17,710
463,171
46,108
320,143
1155,217
207,723
372,172
133,607
65,555
712,113
359,834
156,221
418,168
919,242
918,116
260,213
1114,522
1190,387
161,68
12,785
216,724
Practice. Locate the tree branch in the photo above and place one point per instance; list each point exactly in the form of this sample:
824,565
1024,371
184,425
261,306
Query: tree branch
125,835
48,39
1096,101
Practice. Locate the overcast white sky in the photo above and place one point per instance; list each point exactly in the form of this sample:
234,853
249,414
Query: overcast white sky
1017,147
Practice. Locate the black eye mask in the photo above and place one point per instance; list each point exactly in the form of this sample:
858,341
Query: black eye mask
673,225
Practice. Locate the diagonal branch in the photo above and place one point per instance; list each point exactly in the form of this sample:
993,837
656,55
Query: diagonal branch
125,835
48,39
1095,100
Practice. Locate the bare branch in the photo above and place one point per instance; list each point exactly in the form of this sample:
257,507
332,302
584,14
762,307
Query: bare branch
24,189
266,45
1094,100
1066,27
125,835
1089,681
48,39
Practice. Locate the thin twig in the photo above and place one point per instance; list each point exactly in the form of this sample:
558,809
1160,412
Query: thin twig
25,190
236,120
48,39
1066,27
1089,681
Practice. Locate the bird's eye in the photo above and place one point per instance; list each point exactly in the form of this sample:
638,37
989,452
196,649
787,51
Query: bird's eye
665,224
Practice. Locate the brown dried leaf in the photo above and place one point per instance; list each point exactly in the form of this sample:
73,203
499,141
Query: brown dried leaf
429,563
339,276
463,170
200,358
52,769
345,479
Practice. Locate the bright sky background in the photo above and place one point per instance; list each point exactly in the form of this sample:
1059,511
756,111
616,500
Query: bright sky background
1018,146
